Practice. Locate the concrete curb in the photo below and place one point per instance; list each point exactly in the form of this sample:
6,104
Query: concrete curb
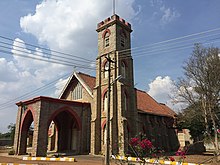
50,159
16,164
133,159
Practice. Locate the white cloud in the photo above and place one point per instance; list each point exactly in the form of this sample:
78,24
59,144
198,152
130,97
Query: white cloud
168,15
163,14
163,90
70,26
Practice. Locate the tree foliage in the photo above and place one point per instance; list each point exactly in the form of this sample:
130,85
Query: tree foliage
10,133
191,118
200,88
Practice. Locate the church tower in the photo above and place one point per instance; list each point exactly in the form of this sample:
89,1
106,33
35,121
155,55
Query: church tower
114,47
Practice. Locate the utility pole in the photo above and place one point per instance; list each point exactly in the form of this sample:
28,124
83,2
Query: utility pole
107,147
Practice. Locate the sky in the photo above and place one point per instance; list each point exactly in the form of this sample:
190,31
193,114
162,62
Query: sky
37,36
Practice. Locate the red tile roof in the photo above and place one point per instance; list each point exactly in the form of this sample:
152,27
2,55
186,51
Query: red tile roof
167,109
145,102
89,80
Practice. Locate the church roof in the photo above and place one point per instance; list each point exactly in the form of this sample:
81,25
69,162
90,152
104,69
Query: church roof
145,103
89,80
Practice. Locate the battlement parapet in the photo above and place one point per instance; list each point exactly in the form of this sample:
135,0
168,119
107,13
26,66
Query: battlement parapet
112,19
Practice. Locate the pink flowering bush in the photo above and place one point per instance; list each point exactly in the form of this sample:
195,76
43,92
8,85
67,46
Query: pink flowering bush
142,148
181,153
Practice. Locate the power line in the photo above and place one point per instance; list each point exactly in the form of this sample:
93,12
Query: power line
194,40
173,39
167,49
62,62
141,52
38,51
46,49
31,93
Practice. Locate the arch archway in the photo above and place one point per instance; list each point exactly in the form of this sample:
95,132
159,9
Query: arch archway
26,123
67,129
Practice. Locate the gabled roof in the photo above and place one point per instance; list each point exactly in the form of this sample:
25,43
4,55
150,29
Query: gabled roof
146,103
87,81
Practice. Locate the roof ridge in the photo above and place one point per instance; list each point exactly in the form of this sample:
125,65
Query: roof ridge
86,74
141,90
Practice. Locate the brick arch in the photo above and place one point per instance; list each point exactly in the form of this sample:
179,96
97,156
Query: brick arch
24,122
104,63
104,92
103,124
66,109
105,32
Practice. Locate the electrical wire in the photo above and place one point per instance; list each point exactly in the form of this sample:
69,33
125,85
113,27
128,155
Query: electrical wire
62,62
51,50
32,93
173,39
45,53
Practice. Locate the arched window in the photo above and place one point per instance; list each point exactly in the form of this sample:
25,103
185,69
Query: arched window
122,38
122,41
125,102
123,70
106,39
106,67
105,102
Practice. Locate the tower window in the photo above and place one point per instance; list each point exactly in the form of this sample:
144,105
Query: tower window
122,38
106,39
122,41
105,102
125,102
106,67
123,69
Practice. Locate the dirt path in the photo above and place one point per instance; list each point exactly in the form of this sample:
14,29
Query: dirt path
94,160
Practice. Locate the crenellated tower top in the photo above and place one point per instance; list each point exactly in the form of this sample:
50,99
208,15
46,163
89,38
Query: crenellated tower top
112,20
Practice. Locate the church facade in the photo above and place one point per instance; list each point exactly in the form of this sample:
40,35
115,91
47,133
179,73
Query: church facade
76,121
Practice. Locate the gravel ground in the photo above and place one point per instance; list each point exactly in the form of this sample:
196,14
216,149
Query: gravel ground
95,160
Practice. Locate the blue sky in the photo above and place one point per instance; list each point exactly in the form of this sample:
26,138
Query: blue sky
162,39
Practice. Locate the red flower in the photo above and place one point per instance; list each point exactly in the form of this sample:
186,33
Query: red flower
180,153
134,141
171,159
146,144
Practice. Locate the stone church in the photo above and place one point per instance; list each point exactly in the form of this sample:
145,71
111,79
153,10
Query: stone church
76,121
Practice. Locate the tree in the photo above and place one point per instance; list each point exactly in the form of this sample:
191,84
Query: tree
191,118
200,87
11,132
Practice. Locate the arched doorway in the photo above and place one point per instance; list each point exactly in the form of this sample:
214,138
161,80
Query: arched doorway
66,132
26,132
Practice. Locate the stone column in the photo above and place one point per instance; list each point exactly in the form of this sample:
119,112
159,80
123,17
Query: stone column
39,146
17,131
